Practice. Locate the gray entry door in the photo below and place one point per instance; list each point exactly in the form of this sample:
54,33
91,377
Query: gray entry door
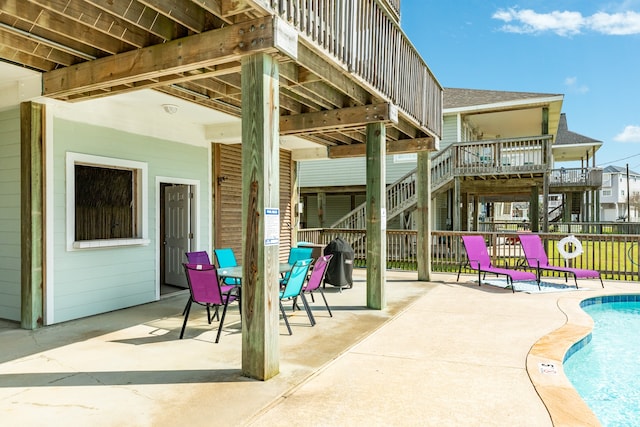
177,207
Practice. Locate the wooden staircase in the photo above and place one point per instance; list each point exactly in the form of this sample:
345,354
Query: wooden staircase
401,196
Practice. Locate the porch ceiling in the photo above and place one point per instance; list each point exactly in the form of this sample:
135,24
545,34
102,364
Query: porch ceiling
517,119
188,50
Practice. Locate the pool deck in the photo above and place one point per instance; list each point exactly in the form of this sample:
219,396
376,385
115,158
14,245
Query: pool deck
441,353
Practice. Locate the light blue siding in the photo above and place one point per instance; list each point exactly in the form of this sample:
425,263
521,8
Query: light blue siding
10,214
92,281
346,172
449,131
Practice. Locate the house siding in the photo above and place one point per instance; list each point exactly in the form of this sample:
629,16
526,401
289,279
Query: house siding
88,282
449,131
347,172
338,205
227,163
10,214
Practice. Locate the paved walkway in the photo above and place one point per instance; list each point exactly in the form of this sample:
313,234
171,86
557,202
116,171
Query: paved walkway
442,353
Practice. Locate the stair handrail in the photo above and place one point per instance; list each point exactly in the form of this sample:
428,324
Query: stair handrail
403,187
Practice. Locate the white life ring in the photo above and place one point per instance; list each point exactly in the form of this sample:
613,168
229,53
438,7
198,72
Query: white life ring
577,247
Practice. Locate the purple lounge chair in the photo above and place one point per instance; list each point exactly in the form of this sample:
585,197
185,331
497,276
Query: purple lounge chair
478,259
205,289
315,280
537,258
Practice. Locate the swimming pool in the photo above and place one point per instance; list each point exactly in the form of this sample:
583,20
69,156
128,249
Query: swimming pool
603,367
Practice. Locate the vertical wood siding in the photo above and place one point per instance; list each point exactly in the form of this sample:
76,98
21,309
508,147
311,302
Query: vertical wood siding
228,199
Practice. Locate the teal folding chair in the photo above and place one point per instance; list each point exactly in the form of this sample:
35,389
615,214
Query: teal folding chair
296,254
293,289
226,258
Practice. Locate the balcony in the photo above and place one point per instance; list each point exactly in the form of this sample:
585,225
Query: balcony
491,159
567,179
360,36
332,55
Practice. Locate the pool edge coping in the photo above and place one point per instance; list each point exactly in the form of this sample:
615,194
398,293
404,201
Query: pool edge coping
563,402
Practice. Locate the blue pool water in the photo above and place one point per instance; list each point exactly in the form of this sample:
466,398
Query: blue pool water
605,369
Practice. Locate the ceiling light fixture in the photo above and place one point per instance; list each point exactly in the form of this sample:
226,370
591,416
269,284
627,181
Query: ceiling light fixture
170,108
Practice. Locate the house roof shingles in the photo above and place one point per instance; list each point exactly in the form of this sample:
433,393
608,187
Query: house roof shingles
566,137
619,170
456,98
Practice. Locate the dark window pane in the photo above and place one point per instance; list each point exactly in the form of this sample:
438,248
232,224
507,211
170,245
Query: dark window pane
104,203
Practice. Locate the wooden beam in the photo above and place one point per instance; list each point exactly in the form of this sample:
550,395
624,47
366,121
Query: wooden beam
331,75
260,191
392,147
32,214
193,18
95,18
178,56
337,119
376,214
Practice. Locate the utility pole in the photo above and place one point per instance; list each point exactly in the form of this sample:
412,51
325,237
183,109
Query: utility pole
628,197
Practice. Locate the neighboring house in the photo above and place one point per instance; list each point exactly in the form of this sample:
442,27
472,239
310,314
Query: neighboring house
620,195
129,135
499,153
573,193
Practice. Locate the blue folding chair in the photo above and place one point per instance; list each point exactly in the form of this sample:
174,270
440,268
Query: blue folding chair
226,258
296,254
293,289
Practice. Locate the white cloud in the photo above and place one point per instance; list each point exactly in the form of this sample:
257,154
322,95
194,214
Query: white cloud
572,84
618,24
570,81
629,134
567,23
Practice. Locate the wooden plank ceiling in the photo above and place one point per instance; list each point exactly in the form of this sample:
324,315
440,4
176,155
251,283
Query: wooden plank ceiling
190,49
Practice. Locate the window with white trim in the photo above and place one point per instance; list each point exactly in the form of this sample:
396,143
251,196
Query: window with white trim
106,202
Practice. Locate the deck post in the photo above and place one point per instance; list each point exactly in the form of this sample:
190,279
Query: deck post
260,214
32,214
464,212
476,211
321,201
568,207
545,203
455,211
534,209
376,216
423,209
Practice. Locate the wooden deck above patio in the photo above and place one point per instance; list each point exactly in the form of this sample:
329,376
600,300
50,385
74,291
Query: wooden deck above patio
507,166
342,63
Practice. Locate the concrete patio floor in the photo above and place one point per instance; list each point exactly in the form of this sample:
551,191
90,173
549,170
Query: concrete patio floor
441,353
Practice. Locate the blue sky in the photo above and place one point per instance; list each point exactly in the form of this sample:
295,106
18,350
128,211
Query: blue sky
587,50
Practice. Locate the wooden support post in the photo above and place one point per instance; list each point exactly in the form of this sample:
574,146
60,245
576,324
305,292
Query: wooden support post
476,213
322,206
455,205
260,193
534,210
376,216
294,202
32,214
545,121
545,203
423,215
464,212
568,207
